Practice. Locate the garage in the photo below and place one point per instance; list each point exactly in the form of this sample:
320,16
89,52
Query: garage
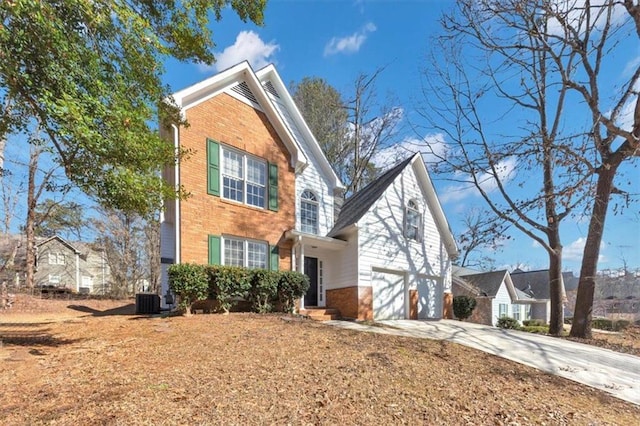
388,295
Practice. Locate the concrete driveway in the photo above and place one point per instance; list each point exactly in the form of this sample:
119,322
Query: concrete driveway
612,372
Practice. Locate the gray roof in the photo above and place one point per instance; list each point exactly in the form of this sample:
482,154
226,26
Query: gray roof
536,283
488,282
358,204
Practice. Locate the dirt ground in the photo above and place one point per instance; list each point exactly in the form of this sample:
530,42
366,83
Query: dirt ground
86,362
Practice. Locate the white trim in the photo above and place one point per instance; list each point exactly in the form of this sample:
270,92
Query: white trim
223,81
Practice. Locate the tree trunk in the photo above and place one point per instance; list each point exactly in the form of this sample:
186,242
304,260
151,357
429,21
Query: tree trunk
556,287
581,325
31,219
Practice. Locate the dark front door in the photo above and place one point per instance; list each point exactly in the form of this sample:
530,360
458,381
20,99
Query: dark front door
311,270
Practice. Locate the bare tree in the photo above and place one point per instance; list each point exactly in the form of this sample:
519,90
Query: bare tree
478,236
371,127
350,132
504,96
132,250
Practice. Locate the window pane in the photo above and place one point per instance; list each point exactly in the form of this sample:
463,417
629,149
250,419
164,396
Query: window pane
255,195
233,252
256,255
309,217
53,259
232,164
412,223
60,258
256,172
233,189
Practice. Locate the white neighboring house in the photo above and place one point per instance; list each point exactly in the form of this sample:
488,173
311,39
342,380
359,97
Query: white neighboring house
386,253
497,296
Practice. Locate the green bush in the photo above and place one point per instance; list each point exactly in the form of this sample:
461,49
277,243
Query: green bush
602,324
537,329
292,285
463,306
263,290
508,323
533,323
188,282
228,284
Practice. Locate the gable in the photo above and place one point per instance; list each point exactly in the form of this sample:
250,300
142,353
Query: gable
242,83
389,186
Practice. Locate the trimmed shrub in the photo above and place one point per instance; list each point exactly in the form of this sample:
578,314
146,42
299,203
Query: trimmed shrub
537,329
508,323
292,285
533,323
602,324
189,282
263,290
463,306
228,284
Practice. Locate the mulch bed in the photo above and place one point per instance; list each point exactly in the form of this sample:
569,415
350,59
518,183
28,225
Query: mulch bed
94,362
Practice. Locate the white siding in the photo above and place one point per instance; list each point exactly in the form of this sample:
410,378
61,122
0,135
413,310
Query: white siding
382,243
502,296
167,240
342,266
429,297
311,178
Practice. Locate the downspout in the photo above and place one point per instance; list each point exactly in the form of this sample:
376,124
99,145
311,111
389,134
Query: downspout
176,146
77,272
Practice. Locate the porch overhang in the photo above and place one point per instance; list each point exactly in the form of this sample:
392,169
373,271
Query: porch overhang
315,240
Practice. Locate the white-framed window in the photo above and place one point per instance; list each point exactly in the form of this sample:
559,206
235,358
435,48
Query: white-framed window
515,309
309,212
54,279
412,221
246,253
56,258
244,178
503,310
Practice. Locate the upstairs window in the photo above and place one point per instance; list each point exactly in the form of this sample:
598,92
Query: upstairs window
243,178
309,212
412,221
56,259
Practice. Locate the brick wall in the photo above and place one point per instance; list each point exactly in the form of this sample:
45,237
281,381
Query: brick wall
236,124
413,304
352,302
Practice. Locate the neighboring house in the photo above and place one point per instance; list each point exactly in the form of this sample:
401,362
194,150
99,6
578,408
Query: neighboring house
495,294
12,259
78,266
263,195
536,285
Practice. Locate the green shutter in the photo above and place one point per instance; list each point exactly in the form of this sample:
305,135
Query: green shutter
214,250
213,167
273,187
274,258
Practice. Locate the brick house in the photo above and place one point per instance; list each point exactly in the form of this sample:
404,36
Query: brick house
263,195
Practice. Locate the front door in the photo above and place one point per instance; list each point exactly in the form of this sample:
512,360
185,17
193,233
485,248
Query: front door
311,270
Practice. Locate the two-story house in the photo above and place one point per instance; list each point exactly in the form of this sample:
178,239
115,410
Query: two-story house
263,195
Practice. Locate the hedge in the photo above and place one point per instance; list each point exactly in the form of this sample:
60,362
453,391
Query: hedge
463,306
265,290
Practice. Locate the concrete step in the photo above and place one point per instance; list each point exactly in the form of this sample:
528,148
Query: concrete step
320,314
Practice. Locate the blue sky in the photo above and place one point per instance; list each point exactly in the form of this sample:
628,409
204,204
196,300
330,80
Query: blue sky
336,40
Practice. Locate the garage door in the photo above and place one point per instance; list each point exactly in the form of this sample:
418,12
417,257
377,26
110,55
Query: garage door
388,296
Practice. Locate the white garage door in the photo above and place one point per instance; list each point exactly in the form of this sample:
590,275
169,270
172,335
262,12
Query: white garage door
388,296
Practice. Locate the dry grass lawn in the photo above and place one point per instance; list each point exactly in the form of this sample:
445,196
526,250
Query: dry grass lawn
94,362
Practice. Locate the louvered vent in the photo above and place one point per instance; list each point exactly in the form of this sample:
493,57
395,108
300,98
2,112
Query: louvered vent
269,88
243,90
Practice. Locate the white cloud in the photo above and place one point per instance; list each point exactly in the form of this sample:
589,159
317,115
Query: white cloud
575,9
432,147
574,251
247,47
488,183
349,44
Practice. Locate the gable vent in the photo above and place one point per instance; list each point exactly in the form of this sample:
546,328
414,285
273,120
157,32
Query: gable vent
243,90
269,88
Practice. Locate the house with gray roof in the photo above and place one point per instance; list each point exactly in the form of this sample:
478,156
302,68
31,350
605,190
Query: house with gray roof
496,296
